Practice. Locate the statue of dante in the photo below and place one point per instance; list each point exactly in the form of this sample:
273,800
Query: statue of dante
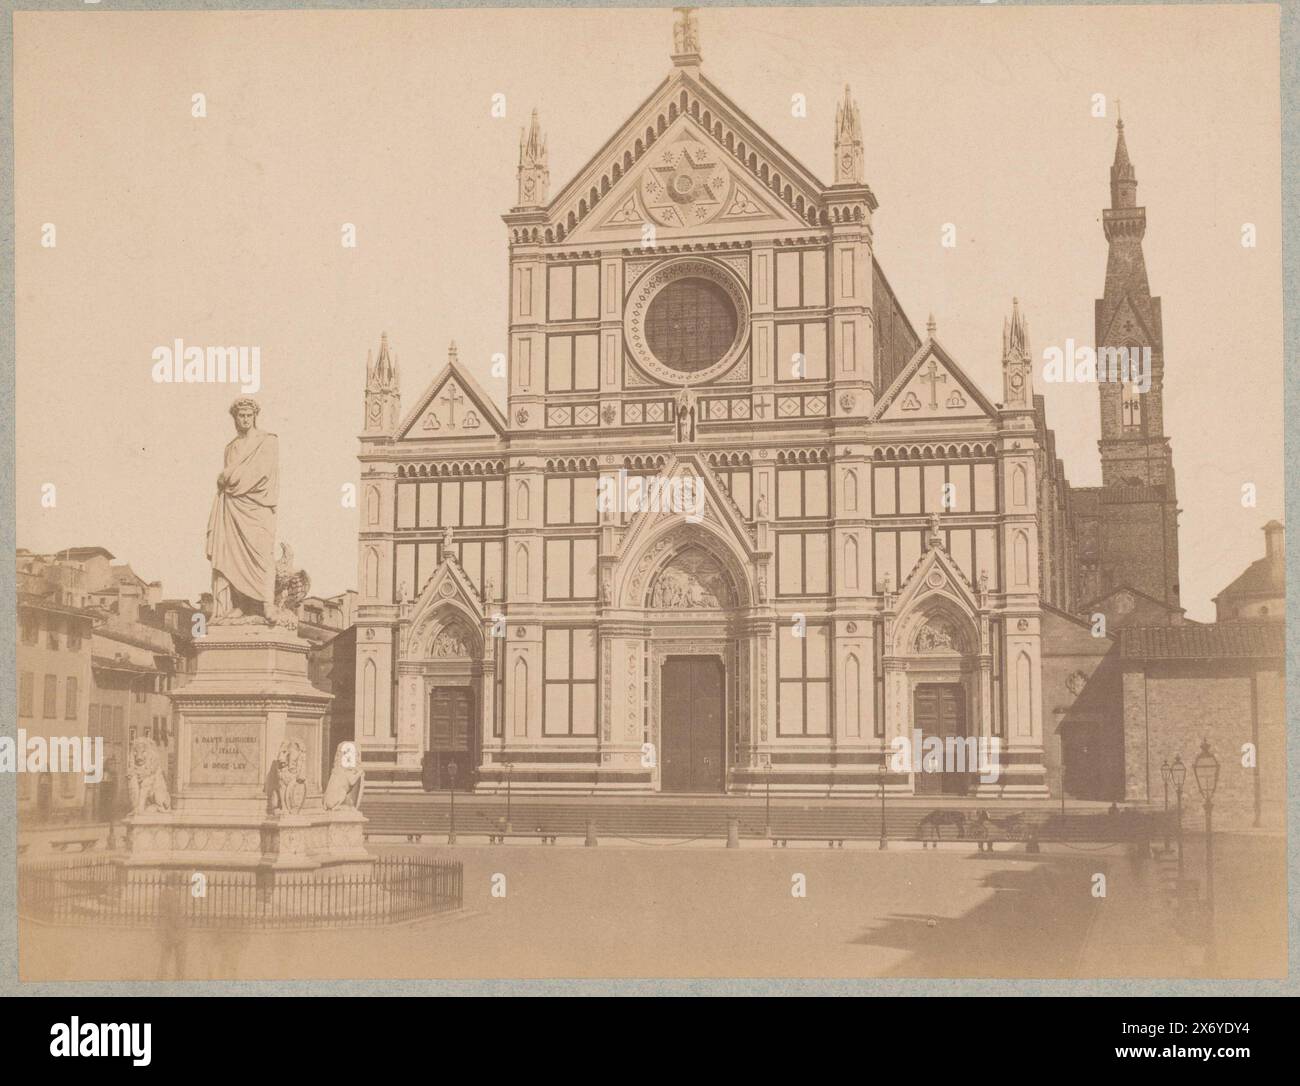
241,528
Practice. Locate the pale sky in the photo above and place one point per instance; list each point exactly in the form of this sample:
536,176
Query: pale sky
226,229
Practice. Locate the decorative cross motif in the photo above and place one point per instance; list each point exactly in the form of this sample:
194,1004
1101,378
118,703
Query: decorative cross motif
934,377
1130,405
451,399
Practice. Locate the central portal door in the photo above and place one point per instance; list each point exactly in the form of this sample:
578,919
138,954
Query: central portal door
451,739
692,727
940,712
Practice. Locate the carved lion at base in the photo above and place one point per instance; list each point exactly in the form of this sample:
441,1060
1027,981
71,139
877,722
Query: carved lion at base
290,791
146,782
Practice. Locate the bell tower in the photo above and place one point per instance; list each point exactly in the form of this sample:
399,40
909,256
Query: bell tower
1137,533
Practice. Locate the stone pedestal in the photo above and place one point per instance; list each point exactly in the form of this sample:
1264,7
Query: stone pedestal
249,695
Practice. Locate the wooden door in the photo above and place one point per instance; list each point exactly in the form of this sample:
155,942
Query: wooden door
451,738
693,725
940,712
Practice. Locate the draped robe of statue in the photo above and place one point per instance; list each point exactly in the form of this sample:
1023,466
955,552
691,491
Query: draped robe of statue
241,527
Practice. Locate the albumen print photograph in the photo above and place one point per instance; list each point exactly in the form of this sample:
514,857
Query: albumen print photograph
596,493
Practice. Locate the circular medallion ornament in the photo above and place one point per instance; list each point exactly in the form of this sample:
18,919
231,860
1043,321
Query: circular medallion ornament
687,321
686,185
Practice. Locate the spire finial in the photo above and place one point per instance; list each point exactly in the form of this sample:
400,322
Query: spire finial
686,39
534,174
1123,178
931,327
452,354
382,376
848,141
1015,332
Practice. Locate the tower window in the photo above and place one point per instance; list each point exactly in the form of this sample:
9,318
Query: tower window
1130,406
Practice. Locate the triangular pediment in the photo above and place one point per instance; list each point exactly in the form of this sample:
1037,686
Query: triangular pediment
716,525
932,386
686,182
688,159
452,406
448,601
706,502
936,573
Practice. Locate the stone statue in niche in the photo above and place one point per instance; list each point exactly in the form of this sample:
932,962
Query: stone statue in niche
935,636
685,414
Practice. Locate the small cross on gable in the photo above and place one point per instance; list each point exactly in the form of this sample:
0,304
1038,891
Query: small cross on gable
451,399
934,377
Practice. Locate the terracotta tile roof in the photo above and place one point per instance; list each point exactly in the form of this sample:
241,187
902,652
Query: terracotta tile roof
1222,640
1265,577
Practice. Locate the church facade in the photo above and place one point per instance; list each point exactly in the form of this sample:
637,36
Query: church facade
741,524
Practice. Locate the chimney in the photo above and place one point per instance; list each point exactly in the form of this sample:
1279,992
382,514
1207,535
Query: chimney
1274,541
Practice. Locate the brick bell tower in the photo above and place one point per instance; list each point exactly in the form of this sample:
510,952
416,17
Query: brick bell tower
1138,499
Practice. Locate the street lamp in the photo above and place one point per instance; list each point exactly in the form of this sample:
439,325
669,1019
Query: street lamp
451,776
767,800
882,769
1178,774
1165,776
1206,771
1061,735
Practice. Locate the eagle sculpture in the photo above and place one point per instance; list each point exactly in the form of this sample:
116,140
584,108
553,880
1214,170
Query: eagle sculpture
291,586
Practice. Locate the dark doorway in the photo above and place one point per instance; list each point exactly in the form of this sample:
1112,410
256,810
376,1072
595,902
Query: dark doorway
44,797
693,732
1093,755
940,712
451,739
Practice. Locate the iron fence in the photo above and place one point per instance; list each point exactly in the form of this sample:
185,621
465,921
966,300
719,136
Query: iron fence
102,891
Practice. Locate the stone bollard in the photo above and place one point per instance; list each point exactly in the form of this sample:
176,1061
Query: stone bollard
591,833
733,833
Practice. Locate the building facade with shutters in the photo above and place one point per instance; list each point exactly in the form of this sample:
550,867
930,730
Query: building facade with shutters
739,523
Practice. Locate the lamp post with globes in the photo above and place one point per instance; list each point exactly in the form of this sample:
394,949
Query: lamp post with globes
452,767
1165,776
883,768
767,798
1178,774
1205,768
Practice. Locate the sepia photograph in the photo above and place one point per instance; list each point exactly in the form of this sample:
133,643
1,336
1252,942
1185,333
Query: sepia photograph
631,494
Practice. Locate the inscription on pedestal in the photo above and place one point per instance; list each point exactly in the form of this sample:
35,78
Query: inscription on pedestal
225,752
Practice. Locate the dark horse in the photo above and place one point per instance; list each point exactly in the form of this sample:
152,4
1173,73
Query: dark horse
929,829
